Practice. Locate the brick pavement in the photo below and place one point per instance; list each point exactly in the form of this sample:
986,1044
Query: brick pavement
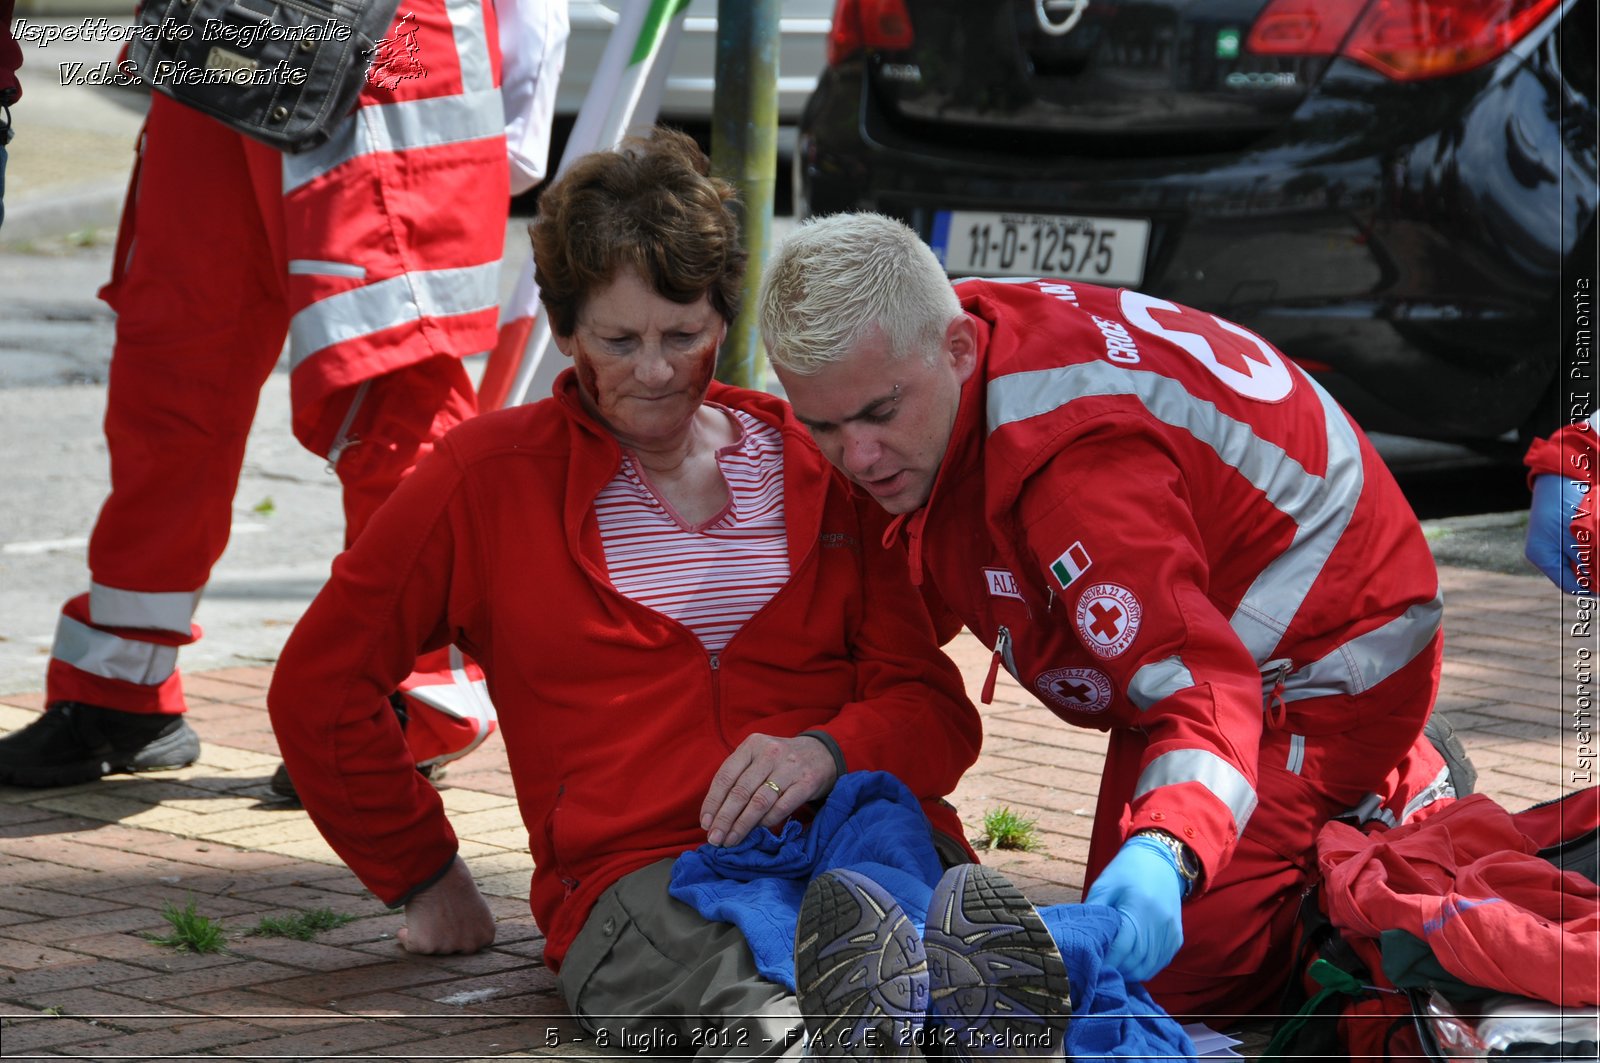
87,870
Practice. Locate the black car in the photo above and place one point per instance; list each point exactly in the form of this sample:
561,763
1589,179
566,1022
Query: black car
1389,190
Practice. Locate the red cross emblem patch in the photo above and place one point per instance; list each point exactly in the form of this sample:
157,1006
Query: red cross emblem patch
1108,619
1079,689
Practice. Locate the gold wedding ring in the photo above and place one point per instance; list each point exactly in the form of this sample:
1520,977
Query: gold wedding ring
775,787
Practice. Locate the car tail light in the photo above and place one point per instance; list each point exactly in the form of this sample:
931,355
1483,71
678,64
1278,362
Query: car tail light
863,24
1402,39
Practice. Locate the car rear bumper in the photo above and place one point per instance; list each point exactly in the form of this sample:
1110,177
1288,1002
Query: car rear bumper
1366,249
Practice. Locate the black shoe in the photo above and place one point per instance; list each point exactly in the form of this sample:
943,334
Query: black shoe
75,743
997,983
283,786
859,971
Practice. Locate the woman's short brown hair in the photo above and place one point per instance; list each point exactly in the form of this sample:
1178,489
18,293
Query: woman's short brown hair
651,205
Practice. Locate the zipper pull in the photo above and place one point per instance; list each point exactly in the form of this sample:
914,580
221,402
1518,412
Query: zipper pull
1277,710
1002,641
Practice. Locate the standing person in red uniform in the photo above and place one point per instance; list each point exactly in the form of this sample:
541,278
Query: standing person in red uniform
377,255
688,623
1164,530
10,90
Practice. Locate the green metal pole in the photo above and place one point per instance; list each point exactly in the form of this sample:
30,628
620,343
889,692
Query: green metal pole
744,152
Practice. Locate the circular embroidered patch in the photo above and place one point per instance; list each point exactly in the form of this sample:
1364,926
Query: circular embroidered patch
1079,689
1108,619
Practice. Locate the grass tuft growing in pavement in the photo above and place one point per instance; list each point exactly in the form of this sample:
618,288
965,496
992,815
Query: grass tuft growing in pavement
191,931
302,926
1005,829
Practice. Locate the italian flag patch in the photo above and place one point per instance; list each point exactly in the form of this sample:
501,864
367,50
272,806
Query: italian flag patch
1070,565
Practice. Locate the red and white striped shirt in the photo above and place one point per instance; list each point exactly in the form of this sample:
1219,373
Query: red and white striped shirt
713,577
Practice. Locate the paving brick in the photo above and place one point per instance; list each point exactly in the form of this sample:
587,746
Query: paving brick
491,961
218,686
326,989
19,955
50,902
510,884
19,1035
115,1009
235,974
18,815
29,985
302,955
179,1037
262,1009
352,1037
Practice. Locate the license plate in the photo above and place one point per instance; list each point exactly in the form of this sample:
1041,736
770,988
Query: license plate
987,244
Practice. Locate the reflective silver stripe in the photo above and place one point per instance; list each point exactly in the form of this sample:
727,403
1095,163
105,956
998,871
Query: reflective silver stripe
1322,507
1158,680
164,611
1297,754
384,304
1319,505
1209,770
1367,660
472,44
400,127
318,267
104,654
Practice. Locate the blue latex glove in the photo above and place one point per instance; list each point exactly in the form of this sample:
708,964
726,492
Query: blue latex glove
1142,883
1550,545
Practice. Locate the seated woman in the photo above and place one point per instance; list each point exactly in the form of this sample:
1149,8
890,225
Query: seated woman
688,624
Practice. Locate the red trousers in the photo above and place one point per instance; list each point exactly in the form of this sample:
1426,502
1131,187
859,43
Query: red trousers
377,256
1238,934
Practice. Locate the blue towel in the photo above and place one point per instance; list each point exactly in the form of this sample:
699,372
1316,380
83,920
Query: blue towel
870,823
1110,1017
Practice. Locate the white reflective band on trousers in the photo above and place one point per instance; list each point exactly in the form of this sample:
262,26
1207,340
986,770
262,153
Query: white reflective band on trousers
155,610
110,657
385,304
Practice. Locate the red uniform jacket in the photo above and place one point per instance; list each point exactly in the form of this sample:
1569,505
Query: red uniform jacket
1160,524
614,717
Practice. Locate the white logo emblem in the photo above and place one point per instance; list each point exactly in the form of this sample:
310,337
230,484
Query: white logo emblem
1236,356
1108,619
1042,10
1002,584
1080,689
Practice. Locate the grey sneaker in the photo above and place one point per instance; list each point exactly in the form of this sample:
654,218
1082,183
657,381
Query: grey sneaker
859,970
997,983
73,743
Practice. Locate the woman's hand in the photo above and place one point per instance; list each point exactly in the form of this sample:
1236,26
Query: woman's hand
449,916
761,783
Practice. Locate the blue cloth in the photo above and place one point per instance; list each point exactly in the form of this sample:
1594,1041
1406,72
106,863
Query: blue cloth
1110,1017
870,823
1550,543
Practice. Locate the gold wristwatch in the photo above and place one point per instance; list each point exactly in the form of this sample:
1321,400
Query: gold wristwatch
1188,863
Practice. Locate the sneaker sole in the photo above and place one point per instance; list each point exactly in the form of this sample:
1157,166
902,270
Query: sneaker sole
176,750
998,985
860,971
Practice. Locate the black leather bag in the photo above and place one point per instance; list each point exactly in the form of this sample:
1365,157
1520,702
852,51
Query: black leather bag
282,71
